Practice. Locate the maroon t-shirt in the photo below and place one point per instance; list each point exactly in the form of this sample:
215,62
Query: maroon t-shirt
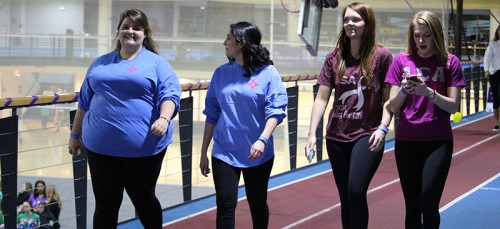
357,108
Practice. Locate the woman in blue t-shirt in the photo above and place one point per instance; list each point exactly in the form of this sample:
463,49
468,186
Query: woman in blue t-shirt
245,102
125,107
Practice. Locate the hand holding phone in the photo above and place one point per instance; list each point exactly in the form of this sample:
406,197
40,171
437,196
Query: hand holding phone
413,78
310,155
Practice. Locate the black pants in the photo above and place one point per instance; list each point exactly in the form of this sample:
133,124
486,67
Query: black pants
353,167
495,88
138,176
226,179
423,168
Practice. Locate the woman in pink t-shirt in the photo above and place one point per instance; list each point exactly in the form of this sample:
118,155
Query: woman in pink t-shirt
355,137
425,89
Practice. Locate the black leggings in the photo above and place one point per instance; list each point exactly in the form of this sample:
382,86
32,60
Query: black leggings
226,179
495,88
353,167
138,176
423,168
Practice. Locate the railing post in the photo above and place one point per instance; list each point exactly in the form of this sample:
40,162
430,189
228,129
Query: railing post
319,130
467,74
484,86
186,142
292,111
8,161
476,78
80,183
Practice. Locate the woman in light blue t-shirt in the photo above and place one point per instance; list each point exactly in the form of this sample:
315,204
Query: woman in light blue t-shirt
245,102
125,107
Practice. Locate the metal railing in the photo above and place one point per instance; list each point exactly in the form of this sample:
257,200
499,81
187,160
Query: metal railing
473,101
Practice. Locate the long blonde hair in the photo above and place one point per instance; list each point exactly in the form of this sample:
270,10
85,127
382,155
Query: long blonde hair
431,20
52,194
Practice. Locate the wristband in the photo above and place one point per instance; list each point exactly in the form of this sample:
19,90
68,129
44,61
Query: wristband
74,136
164,118
263,139
403,91
383,128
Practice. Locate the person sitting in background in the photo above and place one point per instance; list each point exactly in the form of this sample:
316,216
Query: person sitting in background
39,194
47,219
24,193
27,219
54,201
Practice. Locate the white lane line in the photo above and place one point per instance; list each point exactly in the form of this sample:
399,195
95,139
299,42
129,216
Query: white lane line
468,193
379,187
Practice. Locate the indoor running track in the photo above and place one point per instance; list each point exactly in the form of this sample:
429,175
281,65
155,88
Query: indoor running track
307,197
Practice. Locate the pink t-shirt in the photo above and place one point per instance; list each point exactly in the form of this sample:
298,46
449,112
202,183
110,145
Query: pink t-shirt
419,118
357,108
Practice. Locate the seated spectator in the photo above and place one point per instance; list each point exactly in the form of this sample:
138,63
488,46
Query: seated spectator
39,194
47,219
54,201
24,193
27,219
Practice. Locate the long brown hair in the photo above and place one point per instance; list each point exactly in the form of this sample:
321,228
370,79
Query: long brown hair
367,40
140,19
431,20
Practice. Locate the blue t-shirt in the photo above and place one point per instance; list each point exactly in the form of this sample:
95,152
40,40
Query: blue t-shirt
122,100
239,106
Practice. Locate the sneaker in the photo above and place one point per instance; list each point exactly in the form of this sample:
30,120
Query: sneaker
496,128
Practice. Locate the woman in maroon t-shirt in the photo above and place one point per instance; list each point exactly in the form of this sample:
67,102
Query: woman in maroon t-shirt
355,137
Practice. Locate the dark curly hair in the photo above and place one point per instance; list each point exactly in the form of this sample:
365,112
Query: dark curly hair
254,53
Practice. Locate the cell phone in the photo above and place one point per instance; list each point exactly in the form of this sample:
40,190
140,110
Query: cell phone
310,155
413,78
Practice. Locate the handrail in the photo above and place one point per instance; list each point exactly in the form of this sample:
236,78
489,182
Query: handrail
28,101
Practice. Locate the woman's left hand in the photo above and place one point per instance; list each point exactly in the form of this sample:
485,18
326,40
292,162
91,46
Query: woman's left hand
257,150
159,127
417,87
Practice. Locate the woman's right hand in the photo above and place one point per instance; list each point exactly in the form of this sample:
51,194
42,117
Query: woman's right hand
487,74
310,145
204,165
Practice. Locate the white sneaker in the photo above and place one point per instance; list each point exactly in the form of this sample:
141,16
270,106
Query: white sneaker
496,128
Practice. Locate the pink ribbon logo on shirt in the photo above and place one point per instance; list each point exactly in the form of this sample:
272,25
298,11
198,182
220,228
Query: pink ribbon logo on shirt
132,69
253,84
